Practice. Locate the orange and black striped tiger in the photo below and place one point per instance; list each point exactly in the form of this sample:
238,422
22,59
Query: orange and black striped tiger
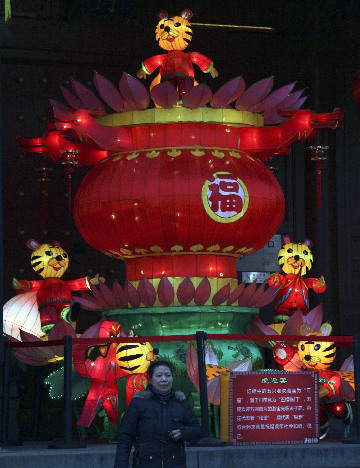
174,34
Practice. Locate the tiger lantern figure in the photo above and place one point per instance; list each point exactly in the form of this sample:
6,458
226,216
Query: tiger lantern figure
54,297
176,67
98,362
317,356
135,358
294,259
105,364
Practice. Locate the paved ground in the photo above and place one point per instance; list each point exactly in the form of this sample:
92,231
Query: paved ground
330,454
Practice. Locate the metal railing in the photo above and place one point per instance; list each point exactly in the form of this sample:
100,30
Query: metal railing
200,337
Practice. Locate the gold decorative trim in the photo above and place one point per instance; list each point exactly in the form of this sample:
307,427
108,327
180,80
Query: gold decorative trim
152,154
196,248
213,248
176,248
231,117
228,249
162,253
218,154
156,249
117,157
174,153
141,251
198,153
132,156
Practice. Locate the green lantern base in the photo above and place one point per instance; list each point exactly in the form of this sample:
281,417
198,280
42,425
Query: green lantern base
165,321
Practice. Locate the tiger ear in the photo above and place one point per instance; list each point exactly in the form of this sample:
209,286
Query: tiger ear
304,329
286,239
57,243
162,15
186,14
308,243
32,244
326,329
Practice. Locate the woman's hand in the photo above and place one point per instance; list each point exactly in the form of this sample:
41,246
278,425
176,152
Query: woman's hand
175,434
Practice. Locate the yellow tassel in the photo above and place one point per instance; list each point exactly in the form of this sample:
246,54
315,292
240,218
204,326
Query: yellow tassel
7,10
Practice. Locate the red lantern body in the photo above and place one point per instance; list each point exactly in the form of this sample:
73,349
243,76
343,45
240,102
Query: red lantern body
179,211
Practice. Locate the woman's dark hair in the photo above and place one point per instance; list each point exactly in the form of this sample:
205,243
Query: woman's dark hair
156,364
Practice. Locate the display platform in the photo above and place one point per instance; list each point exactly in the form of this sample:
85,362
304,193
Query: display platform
329,454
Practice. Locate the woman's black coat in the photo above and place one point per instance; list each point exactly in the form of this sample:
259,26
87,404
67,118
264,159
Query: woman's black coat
147,422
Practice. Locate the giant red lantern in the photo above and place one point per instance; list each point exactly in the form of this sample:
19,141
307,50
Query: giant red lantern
179,211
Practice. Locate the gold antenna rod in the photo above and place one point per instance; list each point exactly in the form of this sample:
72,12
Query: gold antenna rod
233,27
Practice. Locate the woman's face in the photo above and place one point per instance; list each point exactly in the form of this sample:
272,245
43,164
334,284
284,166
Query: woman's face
162,379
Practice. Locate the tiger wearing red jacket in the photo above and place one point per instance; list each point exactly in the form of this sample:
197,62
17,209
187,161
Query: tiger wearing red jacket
174,34
53,294
294,259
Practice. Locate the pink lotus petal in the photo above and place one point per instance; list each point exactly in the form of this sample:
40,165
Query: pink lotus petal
348,364
185,292
128,107
107,295
221,295
210,357
268,296
71,99
192,365
255,93
243,365
134,92
165,95
289,100
59,105
165,292
234,296
258,327
98,296
198,96
146,292
273,99
93,331
119,295
298,103
88,302
90,100
274,119
314,318
257,295
132,295
28,337
246,296
31,361
108,92
228,93
202,292
213,390
292,325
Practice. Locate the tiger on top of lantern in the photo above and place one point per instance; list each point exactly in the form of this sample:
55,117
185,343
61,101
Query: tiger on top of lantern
176,67
53,295
295,259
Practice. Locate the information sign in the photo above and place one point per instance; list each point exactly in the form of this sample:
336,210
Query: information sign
274,407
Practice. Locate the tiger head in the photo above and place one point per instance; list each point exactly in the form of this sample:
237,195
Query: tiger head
135,358
316,355
295,258
49,260
174,33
